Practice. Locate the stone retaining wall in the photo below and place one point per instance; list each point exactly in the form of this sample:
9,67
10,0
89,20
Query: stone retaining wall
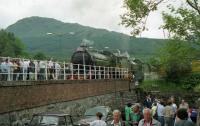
20,100
17,96
75,107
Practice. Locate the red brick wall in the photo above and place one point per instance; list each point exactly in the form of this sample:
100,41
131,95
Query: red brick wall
21,95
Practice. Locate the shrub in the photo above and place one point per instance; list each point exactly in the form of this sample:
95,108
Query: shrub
190,81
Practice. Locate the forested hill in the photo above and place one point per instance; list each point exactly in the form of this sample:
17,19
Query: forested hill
68,36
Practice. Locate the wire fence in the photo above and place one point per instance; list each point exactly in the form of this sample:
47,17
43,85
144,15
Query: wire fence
17,69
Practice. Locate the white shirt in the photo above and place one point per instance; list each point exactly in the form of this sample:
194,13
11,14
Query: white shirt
26,64
160,109
174,107
97,123
3,67
148,124
118,124
57,66
42,64
50,64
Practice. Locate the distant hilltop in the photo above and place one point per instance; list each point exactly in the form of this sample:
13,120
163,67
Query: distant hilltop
59,39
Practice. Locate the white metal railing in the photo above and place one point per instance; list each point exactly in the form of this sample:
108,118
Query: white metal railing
17,69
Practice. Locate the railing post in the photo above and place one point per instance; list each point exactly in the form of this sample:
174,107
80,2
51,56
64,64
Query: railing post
108,73
111,73
99,72
46,76
120,73
127,72
115,73
72,71
104,71
90,72
23,76
36,67
56,71
84,72
95,73
9,69
64,72
78,72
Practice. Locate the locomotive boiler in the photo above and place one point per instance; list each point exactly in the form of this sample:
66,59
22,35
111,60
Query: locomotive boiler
87,56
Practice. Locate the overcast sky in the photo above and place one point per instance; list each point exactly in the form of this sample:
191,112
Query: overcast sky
95,13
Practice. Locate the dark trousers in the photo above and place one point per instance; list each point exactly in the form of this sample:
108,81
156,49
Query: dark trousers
161,120
169,121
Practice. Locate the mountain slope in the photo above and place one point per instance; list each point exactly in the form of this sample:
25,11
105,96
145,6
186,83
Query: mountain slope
68,36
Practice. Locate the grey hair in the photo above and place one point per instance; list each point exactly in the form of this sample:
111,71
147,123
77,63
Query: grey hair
116,111
149,110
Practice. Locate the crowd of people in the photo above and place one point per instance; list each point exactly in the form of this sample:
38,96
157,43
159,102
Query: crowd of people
18,69
163,112
153,112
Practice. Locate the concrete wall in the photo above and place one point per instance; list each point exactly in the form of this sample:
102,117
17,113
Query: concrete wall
21,95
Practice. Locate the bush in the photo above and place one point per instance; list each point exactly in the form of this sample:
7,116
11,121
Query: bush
197,88
190,81
161,86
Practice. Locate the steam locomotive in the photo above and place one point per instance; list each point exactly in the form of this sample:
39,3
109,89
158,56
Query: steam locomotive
88,56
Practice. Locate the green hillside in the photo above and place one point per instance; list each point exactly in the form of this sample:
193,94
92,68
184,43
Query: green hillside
68,36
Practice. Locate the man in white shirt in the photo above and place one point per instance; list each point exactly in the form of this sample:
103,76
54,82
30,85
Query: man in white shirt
116,119
4,71
98,121
148,120
160,109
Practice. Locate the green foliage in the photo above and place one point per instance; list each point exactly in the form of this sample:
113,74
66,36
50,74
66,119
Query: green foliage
10,45
175,58
191,80
182,23
197,88
33,33
137,13
154,63
161,86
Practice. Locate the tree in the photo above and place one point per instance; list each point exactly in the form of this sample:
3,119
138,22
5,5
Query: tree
175,59
10,45
183,26
138,11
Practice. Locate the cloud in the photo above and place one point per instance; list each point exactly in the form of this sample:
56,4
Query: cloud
95,13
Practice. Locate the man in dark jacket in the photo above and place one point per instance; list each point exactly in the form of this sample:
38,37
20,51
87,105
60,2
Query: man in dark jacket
148,102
